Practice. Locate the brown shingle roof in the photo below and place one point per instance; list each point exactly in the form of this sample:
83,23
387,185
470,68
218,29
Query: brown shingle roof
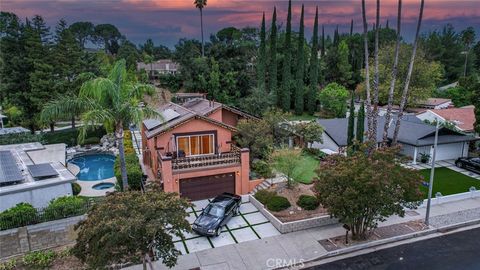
463,118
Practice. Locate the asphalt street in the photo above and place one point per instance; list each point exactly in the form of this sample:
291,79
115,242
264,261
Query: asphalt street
459,251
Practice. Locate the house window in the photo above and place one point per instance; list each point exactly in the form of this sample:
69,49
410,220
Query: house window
195,145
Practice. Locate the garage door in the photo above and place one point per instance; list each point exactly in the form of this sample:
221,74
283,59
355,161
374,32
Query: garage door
204,187
449,151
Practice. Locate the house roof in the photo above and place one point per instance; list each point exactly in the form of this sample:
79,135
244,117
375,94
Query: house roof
463,118
181,116
434,101
412,131
202,106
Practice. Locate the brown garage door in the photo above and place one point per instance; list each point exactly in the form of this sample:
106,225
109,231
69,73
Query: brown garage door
204,187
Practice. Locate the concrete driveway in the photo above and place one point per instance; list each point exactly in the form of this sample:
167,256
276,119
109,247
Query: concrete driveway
249,225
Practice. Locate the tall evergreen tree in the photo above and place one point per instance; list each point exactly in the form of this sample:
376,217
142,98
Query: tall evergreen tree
299,87
262,54
285,93
272,76
351,122
312,93
361,123
323,40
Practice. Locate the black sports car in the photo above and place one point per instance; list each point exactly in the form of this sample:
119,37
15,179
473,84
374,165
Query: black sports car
217,213
471,164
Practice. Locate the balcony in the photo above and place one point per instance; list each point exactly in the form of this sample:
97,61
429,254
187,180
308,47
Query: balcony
223,159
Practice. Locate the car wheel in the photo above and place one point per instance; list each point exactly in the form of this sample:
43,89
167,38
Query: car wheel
237,210
460,164
218,231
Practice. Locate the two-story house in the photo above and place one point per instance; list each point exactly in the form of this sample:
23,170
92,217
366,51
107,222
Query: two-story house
191,152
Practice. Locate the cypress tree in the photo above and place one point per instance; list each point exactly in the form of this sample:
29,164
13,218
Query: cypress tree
351,27
323,40
299,101
361,123
284,97
312,93
261,58
273,56
351,122
336,37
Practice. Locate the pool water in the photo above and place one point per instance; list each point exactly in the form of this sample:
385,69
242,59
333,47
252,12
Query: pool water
94,167
103,186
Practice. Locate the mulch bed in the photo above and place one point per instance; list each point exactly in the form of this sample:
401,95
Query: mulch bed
294,212
338,242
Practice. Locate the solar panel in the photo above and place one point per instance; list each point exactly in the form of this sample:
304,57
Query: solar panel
9,171
40,171
167,115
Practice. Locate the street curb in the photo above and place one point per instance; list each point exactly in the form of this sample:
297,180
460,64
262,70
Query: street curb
376,243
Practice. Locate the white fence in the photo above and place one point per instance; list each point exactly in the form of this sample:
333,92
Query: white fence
439,199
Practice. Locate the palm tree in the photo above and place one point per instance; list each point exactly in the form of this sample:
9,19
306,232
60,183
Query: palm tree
368,100
113,101
394,75
376,76
403,101
200,4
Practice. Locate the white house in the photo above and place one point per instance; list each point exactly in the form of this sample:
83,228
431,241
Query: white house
416,138
463,118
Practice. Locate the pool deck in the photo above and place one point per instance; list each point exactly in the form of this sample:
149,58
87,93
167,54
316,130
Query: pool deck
87,186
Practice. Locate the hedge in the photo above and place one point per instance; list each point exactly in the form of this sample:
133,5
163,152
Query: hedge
278,203
308,202
63,207
70,136
134,171
20,215
264,196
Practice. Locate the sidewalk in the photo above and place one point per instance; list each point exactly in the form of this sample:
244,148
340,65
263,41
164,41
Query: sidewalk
304,245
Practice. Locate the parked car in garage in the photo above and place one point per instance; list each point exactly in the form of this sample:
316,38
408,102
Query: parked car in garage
471,164
217,213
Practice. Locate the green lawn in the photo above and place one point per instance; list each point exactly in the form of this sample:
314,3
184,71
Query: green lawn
303,117
448,182
306,171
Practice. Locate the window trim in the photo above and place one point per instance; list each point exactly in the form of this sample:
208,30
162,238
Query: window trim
189,135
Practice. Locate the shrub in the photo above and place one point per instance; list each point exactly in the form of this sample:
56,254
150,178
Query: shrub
67,206
76,189
39,259
91,140
263,168
8,265
134,172
70,136
314,152
264,196
21,214
308,202
278,203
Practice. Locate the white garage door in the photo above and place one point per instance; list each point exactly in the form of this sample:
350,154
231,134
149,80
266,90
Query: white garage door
449,151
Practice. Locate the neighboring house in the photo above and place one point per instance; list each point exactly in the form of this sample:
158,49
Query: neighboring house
13,130
181,98
446,87
462,118
33,173
416,138
162,66
435,103
191,150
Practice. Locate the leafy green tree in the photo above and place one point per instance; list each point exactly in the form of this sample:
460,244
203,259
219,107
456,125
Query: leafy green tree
201,4
311,97
257,102
361,123
351,122
333,99
339,69
310,132
262,55
108,36
285,91
286,161
113,101
255,135
128,226
272,75
83,32
129,52
299,77
363,189
468,38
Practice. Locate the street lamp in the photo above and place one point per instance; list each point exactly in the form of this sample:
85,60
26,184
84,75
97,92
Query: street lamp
432,173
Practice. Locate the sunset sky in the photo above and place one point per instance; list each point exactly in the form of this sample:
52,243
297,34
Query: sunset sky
165,21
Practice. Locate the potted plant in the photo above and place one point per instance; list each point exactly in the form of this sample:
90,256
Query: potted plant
424,158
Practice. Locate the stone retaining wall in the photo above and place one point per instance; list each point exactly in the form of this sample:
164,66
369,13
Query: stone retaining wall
37,237
292,226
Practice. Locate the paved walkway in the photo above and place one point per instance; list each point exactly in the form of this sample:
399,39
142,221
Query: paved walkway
304,245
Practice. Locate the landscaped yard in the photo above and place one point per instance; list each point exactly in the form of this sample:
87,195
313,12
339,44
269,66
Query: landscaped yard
306,170
448,182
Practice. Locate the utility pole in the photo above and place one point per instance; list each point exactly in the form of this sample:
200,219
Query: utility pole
432,173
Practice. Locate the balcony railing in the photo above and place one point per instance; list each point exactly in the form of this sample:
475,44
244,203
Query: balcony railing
203,161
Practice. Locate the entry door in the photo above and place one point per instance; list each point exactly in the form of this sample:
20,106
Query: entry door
204,187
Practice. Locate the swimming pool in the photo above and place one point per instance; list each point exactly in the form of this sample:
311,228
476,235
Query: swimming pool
94,167
103,186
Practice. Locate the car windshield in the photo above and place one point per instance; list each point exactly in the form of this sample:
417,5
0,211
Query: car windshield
214,210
